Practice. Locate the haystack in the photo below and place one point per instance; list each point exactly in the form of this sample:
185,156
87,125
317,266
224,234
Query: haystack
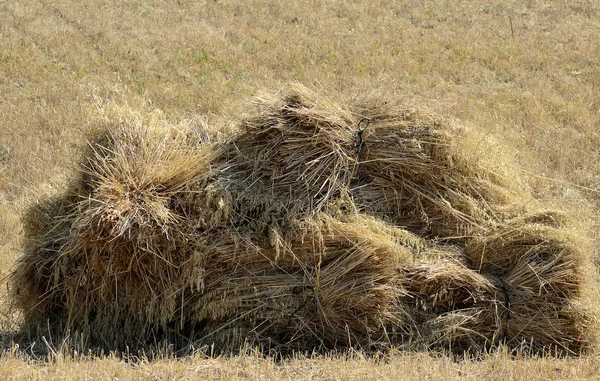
315,226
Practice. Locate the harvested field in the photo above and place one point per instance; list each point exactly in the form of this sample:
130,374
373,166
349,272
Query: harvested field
513,87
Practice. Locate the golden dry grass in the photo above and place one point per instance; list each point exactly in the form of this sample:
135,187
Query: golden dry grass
353,367
522,73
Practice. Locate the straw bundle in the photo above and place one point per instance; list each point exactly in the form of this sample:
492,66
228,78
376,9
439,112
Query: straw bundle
117,255
415,172
542,270
45,234
334,283
315,226
518,285
451,305
299,146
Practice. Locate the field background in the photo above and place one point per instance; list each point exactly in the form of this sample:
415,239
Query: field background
525,72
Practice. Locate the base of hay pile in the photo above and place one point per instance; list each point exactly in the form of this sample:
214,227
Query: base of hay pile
315,227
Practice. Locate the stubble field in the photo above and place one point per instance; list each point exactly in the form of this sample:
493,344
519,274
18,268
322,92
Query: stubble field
526,73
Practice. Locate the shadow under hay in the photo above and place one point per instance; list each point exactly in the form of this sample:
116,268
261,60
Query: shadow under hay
316,227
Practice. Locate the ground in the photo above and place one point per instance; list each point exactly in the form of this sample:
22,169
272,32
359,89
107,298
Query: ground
526,72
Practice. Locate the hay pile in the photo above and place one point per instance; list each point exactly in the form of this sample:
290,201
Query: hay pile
314,227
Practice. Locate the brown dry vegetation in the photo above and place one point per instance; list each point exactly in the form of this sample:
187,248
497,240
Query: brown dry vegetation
523,73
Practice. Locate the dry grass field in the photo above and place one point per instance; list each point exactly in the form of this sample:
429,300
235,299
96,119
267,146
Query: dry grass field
523,72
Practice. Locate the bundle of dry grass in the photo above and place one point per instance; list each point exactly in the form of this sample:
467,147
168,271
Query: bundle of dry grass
334,283
112,251
521,284
542,268
300,144
32,282
451,305
314,227
419,172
